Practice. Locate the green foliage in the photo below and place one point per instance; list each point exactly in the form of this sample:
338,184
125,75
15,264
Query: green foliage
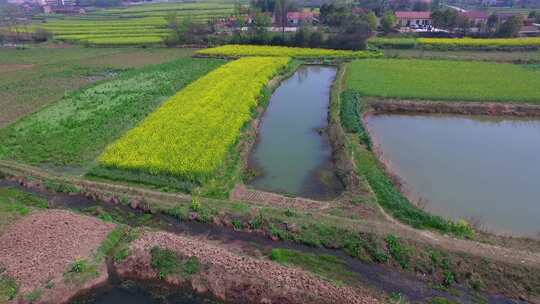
79,266
60,187
77,128
167,263
350,115
122,251
8,288
14,202
393,43
399,251
326,266
110,243
34,295
444,80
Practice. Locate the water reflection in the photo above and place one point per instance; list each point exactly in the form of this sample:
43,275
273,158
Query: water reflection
479,168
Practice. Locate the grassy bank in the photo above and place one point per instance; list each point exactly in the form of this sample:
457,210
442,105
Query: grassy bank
73,131
444,80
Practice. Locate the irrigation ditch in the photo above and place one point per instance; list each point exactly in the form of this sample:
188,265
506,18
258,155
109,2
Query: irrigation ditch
376,277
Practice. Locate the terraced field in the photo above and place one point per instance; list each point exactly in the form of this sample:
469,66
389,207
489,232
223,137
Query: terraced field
141,24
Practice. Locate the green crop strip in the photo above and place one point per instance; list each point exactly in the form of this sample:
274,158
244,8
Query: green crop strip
191,134
444,80
76,129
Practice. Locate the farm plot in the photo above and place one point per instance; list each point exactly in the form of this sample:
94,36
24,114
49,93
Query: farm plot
280,51
190,135
444,44
444,80
136,25
74,130
34,77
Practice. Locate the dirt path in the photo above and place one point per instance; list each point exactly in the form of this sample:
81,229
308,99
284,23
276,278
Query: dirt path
241,192
38,249
236,278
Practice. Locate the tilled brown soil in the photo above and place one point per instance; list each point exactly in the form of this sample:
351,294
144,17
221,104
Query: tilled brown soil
236,278
39,248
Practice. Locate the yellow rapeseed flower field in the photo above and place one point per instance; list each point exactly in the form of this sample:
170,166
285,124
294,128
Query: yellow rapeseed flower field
191,133
234,50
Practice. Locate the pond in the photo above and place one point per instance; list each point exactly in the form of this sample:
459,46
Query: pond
140,293
483,169
292,152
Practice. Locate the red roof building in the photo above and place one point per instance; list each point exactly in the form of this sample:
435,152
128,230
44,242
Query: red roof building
296,18
407,19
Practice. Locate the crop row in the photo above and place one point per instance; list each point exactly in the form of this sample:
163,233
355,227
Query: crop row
281,51
455,43
191,134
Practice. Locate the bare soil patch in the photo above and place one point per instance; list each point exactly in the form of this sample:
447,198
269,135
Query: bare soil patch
236,278
242,193
39,248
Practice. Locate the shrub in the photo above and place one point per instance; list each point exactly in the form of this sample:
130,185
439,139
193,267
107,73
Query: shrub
41,35
8,288
399,251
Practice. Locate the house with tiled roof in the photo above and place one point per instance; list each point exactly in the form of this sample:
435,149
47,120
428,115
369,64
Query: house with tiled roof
407,19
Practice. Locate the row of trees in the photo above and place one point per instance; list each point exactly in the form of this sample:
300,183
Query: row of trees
451,19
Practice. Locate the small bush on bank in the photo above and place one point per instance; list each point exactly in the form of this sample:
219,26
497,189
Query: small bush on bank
8,288
167,262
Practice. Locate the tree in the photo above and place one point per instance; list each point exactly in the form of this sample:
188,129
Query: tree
420,6
388,21
446,19
281,9
463,23
511,27
492,23
261,22
372,20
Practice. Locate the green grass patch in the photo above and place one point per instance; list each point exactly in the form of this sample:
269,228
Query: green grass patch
34,295
15,204
80,272
327,266
168,262
8,288
444,80
73,131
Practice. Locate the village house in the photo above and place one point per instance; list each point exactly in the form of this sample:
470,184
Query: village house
408,19
298,18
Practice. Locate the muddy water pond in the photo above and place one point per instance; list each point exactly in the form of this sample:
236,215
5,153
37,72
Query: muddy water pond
483,169
292,152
